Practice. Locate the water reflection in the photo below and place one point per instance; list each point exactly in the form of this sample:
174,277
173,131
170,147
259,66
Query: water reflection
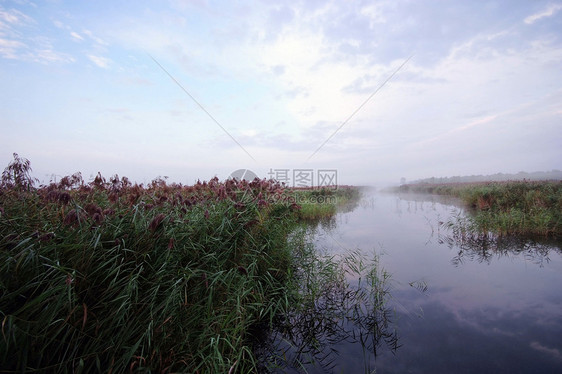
471,245
487,247
493,304
491,340
343,301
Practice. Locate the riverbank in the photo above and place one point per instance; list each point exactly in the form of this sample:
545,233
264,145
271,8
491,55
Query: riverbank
506,208
322,203
114,276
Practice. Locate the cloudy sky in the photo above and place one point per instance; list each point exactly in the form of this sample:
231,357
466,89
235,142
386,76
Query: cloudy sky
95,86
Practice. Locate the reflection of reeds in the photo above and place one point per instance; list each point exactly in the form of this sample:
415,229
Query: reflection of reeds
466,235
342,300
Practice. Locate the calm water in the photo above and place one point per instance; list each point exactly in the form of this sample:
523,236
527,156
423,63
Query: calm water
484,310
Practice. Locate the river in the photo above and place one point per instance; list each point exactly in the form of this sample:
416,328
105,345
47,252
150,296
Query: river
457,307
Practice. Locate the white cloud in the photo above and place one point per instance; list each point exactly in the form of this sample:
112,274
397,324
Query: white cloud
14,17
285,86
548,12
77,37
102,62
95,38
25,2
468,90
59,24
313,82
10,48
46,56
555,353
21,42
478,122
375,14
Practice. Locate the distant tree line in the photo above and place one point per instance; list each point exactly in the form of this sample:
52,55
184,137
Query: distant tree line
498,177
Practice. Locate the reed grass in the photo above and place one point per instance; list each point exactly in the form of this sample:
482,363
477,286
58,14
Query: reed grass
316,204
472,244
110,276
521,208
118,277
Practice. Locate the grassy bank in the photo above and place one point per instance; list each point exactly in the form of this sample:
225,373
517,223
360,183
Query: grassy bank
324,202
111,276
505,208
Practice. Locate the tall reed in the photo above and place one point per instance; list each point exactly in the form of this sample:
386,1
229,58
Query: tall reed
506,208
118,277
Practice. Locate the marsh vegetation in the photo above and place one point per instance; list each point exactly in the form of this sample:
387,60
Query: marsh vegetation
113,276
521,208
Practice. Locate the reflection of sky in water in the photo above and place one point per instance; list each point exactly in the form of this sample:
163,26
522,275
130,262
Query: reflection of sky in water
504,315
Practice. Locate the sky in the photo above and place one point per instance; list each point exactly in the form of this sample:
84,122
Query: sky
370,91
